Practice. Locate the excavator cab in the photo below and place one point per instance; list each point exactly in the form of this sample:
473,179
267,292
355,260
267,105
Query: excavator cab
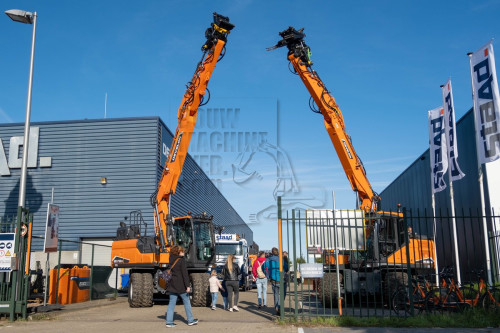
387,238
196,235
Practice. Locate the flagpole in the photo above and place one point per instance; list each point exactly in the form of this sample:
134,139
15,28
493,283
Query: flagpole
431,116
480,178
450,176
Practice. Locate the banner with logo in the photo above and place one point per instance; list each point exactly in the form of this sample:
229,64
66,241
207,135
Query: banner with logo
51,229
451,134
438,151
486,103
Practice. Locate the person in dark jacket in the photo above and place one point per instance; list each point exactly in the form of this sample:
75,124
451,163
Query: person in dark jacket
178,287
272,269
230,274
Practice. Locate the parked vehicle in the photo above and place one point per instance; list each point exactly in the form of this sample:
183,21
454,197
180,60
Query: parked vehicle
226,244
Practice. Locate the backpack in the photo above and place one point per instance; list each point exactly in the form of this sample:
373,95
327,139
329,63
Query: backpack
274,270
273,267
260,272
166,275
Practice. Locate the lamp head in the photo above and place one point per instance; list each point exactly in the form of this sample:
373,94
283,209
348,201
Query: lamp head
19,15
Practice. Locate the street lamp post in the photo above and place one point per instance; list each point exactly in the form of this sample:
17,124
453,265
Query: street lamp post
28,18
16,279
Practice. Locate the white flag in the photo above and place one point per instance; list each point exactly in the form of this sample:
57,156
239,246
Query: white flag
451,134
438,151
486,103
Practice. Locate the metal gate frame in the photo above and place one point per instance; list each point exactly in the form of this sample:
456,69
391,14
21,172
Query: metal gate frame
14,285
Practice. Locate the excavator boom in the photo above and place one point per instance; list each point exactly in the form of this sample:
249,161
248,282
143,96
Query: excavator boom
299,56
195,95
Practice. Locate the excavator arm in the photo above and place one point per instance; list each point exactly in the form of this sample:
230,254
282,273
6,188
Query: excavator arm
299,56
195,95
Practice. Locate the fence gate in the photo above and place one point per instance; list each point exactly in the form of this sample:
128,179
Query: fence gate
14,263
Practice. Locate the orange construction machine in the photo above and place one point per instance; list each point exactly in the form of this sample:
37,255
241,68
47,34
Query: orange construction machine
147,256
382,264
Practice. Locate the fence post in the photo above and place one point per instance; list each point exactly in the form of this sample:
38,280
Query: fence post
14,274
408,266
294,268
91,271
280,241
116,283
58,270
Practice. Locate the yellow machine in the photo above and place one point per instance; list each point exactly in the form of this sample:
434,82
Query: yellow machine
148,256
383,265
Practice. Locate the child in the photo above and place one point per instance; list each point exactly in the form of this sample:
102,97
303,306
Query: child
214,288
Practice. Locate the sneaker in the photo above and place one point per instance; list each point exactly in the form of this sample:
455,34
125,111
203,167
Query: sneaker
235,308
170,325
194,322
213,307
231,310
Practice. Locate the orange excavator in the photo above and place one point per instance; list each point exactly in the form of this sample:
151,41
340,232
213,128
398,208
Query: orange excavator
389,252
147,256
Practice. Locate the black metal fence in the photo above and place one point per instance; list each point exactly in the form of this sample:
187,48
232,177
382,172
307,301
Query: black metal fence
348,262
69,276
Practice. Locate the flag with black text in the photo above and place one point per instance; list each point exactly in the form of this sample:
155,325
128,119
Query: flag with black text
451,134
486,103
438,151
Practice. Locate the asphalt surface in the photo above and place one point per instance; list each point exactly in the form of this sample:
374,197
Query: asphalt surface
116,316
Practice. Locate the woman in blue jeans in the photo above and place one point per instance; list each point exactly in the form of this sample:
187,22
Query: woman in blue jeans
260,279
178,287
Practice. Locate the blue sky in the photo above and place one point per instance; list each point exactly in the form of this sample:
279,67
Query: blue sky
383,62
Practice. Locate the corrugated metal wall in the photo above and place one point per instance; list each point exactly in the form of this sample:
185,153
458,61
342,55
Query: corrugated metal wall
125,151
412,189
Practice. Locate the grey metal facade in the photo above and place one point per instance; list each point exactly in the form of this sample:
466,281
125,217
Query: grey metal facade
412,189
129,153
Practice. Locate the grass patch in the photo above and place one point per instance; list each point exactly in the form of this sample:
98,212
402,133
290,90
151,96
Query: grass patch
474,318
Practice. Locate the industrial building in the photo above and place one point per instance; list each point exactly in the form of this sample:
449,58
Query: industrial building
97,171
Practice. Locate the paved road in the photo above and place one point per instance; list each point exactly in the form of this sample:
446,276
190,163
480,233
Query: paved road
395,330
116,317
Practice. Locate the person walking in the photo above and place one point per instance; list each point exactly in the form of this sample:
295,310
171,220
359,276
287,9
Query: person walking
272,267
260,279
224,295
214,288
178,287
231,272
